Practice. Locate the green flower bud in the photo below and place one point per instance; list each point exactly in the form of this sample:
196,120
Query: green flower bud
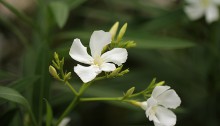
115,72
53,72
123,72
114,30
122,32
129,92
67,76
56,57
130,44
160,83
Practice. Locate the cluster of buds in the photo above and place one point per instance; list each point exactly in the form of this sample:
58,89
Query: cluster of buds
58,66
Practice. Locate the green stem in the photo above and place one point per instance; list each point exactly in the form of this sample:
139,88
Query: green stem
101,99
68,109
72,88
73,103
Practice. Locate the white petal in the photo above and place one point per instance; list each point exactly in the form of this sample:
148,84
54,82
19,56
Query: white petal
98,41
79,53
116,55
194,12
64,122
212,14
165,116
107,67
158,90
169,99
158,124
87,74
216,2
144,105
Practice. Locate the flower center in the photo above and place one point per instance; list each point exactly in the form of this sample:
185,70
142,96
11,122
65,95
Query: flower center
98,61
205,3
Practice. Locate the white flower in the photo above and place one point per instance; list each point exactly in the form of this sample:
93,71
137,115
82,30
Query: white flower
157,105
97,62
197,8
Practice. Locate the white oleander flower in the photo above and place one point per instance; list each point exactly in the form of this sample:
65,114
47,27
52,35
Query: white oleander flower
97,62
197,8
156,107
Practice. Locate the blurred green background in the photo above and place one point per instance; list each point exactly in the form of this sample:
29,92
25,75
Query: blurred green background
169,47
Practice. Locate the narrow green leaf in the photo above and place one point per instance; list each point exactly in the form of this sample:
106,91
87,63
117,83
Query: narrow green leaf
49,116
60,12
158,42
13,96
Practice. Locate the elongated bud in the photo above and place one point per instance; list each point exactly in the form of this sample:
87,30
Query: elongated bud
122,32
53,72
123,72
56,57
115,72
62,63
160,83
67,76
114,30
129,92
130,44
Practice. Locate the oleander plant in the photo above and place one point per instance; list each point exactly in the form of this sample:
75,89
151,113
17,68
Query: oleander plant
109,63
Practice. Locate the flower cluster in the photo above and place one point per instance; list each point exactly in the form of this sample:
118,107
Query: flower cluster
97,62
156,107
197,8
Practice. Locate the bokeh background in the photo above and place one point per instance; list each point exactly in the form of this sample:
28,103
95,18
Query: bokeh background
170,47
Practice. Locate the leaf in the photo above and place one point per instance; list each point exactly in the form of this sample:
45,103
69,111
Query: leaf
49,116
60,12
158,42
13,96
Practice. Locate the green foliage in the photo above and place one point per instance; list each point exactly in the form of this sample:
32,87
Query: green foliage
168,46
60,12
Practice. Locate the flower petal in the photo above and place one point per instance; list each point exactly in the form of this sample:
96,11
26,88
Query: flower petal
158,90
79,53
87,74
144,105
116,55
212,14
98,41
108,67
194,12
165,116
169,99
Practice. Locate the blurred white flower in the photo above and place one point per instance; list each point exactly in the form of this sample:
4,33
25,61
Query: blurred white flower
157,105
65,121
97,62
197,8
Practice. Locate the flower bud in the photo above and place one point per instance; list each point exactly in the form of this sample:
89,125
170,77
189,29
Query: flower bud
129,92
160,83
130,44
115,72
56,57
114,30
123,72
53,72
122,32
67,76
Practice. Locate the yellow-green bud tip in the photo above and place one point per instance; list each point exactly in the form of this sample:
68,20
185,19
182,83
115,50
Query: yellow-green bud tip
53,72
122,32
114,30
